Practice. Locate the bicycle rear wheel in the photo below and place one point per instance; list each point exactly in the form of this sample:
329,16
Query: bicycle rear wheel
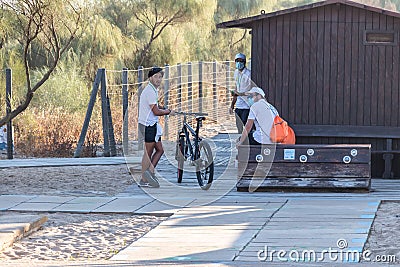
205,166
180,157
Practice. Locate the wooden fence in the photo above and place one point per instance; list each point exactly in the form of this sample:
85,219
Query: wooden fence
190,87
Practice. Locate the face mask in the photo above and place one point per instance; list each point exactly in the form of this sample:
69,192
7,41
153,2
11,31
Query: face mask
250,101
239,65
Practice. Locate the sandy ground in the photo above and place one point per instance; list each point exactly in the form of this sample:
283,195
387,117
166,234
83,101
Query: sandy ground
384,238
73,180
70,237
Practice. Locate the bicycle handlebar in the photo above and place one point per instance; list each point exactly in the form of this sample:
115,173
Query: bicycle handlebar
191,113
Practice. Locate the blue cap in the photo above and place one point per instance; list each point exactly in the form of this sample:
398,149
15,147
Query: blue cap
240,56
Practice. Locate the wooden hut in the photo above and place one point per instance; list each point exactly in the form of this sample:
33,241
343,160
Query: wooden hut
332,70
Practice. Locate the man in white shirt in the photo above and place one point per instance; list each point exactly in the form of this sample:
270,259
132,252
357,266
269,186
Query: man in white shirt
261,115
149,111
243,84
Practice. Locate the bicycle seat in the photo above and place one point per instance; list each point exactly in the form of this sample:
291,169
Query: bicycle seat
200,118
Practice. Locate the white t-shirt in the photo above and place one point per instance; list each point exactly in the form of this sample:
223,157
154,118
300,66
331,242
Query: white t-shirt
148,97
243,85
263,114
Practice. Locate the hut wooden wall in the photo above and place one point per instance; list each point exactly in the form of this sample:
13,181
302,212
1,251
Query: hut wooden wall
317,69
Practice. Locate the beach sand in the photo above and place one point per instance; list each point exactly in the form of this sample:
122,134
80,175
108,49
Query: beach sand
384,239
66,181
89,237
96,237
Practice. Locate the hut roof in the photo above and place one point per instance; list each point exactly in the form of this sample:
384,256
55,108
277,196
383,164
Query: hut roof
247,22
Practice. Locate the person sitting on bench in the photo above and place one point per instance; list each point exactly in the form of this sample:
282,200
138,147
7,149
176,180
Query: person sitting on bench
262,115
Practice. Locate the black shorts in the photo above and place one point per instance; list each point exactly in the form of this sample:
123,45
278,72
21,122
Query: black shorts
150,133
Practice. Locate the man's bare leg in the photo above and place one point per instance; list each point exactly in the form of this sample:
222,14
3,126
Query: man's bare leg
147,155
156,156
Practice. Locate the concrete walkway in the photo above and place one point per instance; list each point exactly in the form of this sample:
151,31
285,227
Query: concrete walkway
220,225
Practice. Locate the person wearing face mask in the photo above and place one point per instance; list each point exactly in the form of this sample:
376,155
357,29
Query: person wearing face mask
261,115
243,84
149,112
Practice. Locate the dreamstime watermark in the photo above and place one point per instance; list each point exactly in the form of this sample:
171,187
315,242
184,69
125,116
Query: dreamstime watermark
339,254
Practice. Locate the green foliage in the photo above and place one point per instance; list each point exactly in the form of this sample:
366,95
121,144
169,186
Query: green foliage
66,89
122,33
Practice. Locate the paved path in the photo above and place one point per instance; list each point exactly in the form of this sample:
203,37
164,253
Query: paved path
56,162
221,225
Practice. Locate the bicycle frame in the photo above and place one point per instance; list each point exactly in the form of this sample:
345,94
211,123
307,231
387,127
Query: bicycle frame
188,150
186,128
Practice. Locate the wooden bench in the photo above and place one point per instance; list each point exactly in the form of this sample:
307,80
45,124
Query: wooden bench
304,167
347,131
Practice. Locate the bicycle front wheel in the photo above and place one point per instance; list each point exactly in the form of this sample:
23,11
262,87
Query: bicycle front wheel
205,166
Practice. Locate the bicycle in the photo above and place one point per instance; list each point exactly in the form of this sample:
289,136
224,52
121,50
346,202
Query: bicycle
197,152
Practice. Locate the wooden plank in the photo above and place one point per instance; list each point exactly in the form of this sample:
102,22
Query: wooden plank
375,76
266,47
395,82
327,64
347,131
272,54
380,89
342,67
278,64
366,103
262,170
299,71
319,109
317,146
388,55
347,58
292,69
257,51
306,184
284,109
388,75
334,39
305,101
313,49
320,155
354,58
361,67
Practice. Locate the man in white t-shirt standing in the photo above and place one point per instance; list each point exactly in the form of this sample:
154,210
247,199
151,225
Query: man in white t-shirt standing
149,111
243,84
261,115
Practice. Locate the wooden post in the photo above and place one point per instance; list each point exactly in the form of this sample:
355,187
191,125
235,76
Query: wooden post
89,111
215,96
104,114
200,101
228,76
111,137
166,99
10,145
125,144
139,92
190,87
179,70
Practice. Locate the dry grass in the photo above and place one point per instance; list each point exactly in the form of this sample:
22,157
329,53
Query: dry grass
55,133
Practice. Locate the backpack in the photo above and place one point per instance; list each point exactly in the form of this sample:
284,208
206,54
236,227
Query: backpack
281,132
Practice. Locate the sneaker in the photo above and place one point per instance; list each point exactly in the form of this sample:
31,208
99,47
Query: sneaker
152,180
144,184
154,176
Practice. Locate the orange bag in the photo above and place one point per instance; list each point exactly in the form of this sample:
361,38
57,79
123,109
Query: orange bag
281,132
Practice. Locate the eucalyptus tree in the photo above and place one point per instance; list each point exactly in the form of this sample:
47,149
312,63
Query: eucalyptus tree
152,17
50,25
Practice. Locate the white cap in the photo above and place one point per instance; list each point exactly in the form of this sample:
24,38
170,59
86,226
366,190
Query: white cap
257,90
